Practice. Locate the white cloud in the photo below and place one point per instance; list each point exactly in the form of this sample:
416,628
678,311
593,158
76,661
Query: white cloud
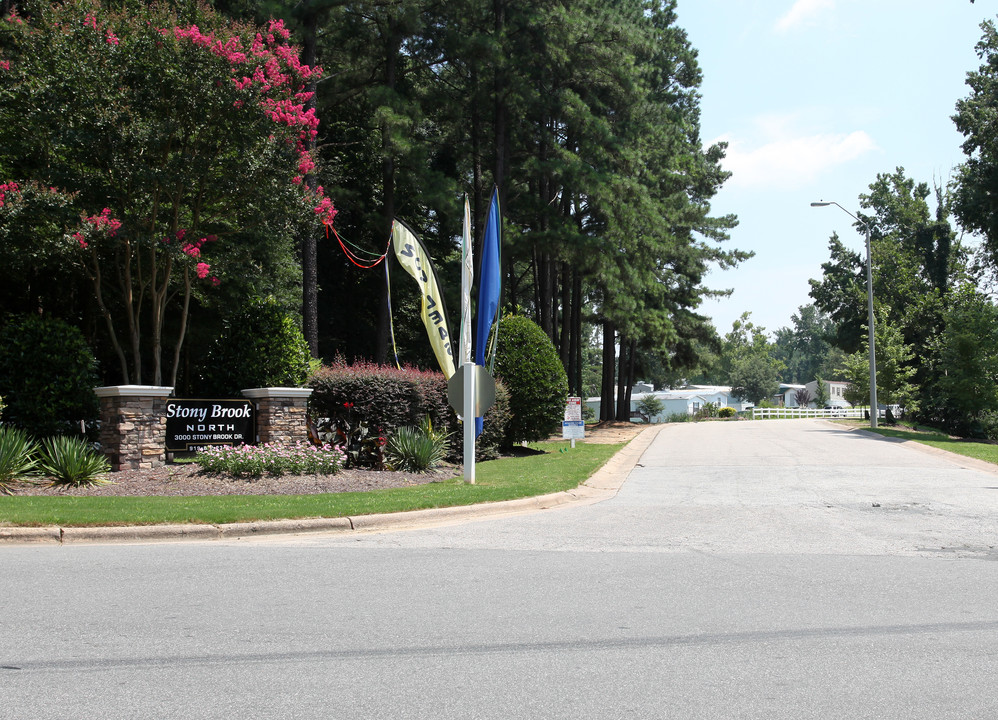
803,12
790,161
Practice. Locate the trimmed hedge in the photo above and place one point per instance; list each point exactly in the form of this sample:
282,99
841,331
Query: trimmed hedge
386,399
528,363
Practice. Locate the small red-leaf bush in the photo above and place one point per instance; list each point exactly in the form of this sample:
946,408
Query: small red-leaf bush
386,398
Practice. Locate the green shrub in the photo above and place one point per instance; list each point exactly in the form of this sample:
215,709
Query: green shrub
529,365
47,376
17,455
260,346
369,402
72,461
416,449
726,412
679,417
496,421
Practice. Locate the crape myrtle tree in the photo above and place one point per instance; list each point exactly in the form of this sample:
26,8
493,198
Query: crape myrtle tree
180,141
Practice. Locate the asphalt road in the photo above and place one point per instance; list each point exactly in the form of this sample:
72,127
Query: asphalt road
745,570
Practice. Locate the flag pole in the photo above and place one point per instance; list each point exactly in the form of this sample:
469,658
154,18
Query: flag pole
467,366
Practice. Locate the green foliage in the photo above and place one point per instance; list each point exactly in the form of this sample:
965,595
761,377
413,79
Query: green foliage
497,419
748,363
649,406
726,412
805,349
707,410
680,417
976,119
382,399
260,346
821,398
47,375
528,364
17,455
72,461
416,449
964,396
895,373
187,180
253,461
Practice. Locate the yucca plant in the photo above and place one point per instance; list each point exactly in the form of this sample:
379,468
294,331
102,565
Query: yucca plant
17,456
413,449
72,461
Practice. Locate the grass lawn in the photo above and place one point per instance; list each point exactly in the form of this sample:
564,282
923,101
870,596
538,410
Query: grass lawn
934,438
556,468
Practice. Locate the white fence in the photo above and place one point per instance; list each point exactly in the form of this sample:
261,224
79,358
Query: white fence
800,413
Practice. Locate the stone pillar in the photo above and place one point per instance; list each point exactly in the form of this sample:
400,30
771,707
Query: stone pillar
280,414
133,425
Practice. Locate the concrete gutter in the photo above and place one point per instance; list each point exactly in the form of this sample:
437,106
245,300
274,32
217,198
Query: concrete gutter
604,484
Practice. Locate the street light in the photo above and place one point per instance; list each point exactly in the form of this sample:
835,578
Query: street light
874,411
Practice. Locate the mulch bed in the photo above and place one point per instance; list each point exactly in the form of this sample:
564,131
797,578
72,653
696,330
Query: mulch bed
187,479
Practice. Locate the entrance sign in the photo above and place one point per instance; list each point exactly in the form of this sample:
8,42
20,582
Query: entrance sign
573,428
573,409
195,424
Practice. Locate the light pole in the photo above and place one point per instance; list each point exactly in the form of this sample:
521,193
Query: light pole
874,411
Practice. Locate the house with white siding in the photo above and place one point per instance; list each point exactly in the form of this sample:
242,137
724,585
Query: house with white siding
687,401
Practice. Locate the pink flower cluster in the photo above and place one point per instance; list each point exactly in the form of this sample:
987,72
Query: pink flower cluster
104,221
276,68
4,64
7,187
324,209
14,18
193,250
90,21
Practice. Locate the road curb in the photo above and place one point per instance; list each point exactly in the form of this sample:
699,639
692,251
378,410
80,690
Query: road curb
604,484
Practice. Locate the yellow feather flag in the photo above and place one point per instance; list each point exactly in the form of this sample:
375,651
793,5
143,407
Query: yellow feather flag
413,257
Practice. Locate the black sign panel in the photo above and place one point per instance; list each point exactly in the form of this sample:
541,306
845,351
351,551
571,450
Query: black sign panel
193,425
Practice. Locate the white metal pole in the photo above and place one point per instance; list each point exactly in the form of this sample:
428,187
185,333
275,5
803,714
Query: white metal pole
469,421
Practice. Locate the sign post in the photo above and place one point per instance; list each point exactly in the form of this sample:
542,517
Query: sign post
470,405
574,427
469,422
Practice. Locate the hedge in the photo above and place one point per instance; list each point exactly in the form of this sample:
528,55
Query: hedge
387,398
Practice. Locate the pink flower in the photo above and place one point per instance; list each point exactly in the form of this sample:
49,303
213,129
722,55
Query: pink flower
215,282
192,250
202,270
4,64
78,236
112,39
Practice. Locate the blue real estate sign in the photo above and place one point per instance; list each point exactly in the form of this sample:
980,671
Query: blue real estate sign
195,424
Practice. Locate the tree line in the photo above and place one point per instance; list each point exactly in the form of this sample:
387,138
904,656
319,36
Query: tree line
584,114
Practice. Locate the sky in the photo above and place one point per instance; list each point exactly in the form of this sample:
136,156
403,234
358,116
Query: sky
815,98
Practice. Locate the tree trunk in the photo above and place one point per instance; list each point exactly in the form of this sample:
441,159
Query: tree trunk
606,408
575,351
309,253
623,413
